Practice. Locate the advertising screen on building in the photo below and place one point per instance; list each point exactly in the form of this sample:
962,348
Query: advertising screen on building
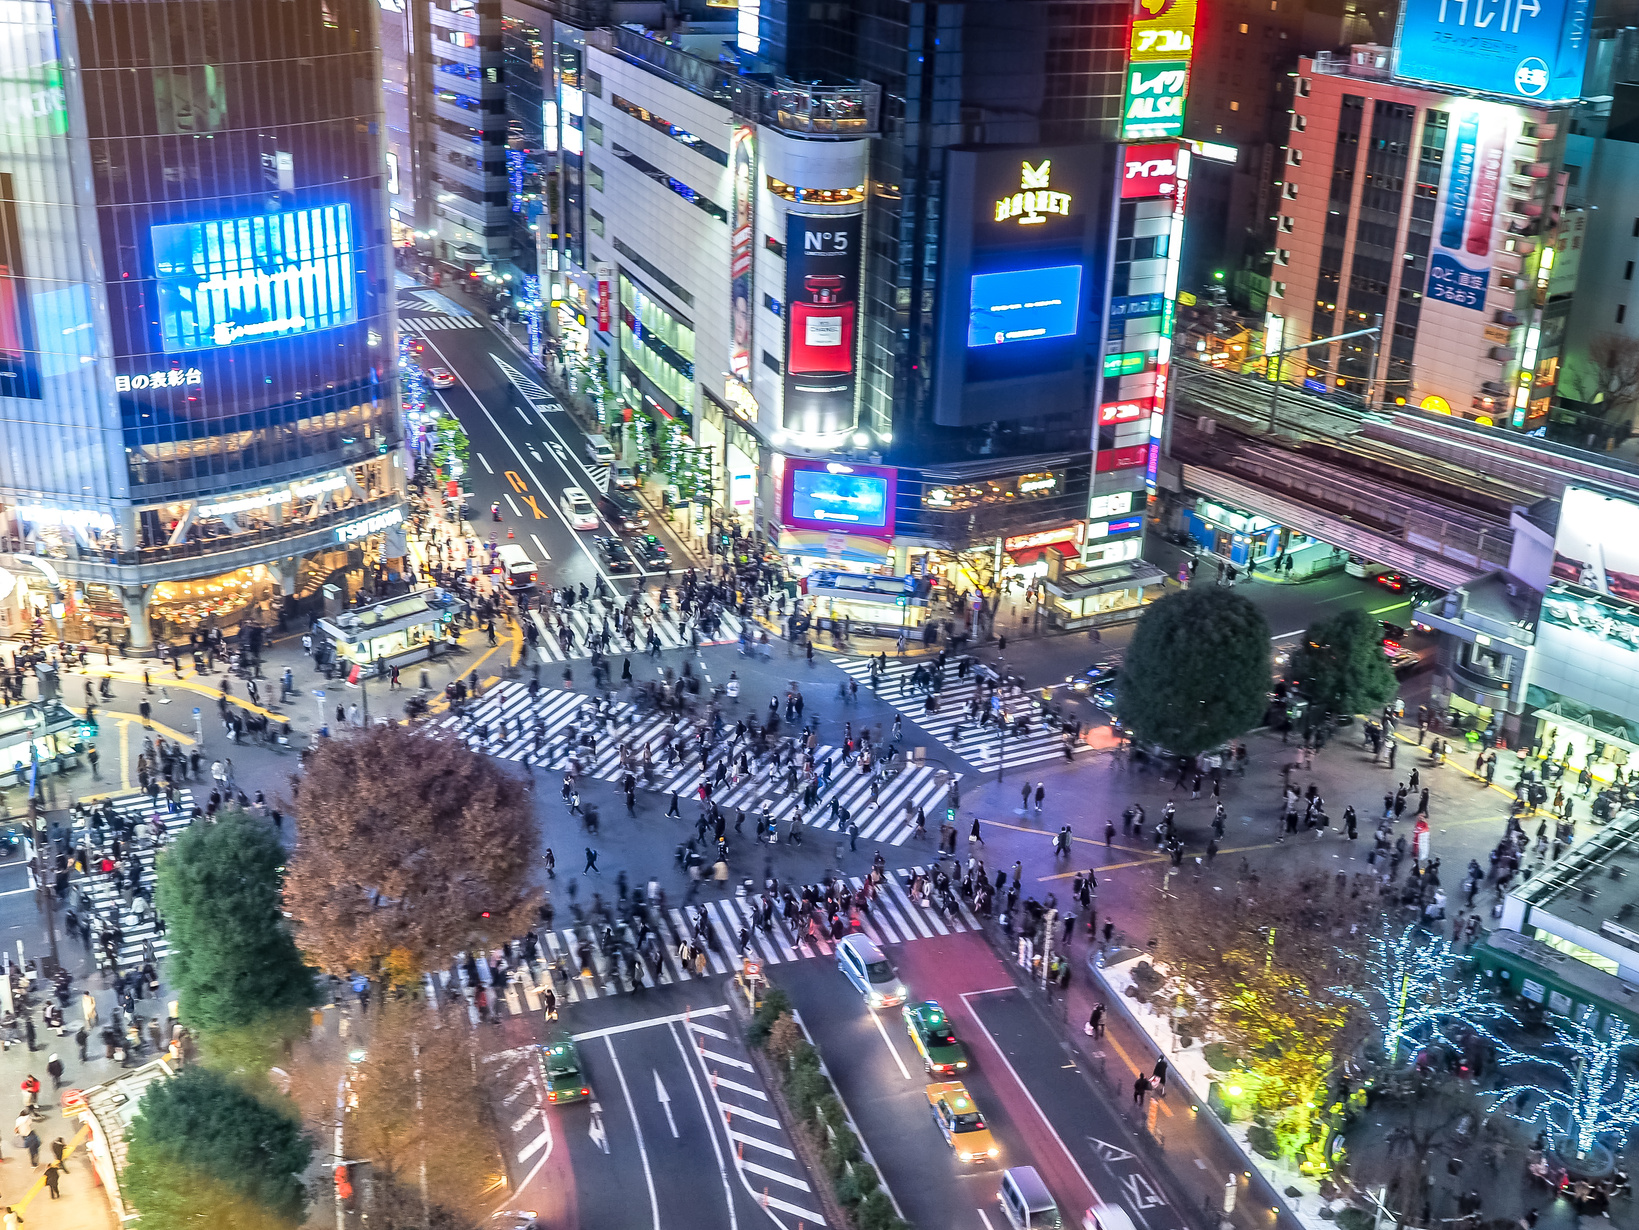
19,376
1597,543
1023,305
822,296
1459,264
743,162
243,280
1532,50
828,495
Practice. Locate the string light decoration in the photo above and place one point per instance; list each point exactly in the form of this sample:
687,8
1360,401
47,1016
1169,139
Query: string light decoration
1409,990
1601,1099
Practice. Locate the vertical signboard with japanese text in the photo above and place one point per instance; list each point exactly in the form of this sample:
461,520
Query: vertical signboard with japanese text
606,275
822,258
1459,263
1160,48
743,167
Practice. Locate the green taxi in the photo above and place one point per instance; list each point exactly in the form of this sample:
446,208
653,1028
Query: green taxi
931,1033
560,1068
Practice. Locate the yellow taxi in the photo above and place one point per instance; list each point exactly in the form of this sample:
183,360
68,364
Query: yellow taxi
959,1120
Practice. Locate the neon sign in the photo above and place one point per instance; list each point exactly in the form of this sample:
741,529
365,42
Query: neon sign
1036,199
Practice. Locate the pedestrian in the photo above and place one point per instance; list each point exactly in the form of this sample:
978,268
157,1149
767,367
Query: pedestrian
1024,798
1141,1089
1041,793
53,1176
81,1037
591,860
1159,1076
1095,1021
31,1142
973,834
54,1068
13,1219
59,1153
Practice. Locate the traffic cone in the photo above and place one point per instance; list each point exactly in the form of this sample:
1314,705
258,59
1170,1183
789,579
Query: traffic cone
510,534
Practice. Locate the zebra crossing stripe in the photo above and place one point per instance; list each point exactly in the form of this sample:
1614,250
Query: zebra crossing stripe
106,903
974,743
438,322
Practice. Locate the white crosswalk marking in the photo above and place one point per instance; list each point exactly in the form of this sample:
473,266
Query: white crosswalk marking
950,723
424,323
892,918
529,387
506,723
581,625
97,899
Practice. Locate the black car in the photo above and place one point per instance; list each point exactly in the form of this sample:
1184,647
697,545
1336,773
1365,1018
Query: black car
649,553
615,555
623,511
1098,675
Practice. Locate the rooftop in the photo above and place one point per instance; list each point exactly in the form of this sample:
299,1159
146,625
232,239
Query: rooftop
1595,885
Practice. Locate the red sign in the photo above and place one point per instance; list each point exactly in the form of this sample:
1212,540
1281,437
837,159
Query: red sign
1044,538
1124,411
1148,171
603,306
1123,458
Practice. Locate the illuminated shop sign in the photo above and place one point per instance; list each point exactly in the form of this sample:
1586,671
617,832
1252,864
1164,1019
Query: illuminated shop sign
1155,100
1112,505
1125,307
1037,484
1130,411
1148,171
369,525
78,518
1035,199
1130,363
1162,30
170,378
1044,538
1114,529
1110,459
251,279
267,499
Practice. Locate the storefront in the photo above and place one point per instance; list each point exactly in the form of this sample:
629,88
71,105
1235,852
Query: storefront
871,601
1587,738
397,632
1241,538
1092,597
178,608
41,731
1045,553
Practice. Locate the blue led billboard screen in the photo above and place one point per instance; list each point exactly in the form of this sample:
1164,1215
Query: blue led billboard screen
845,501
251,279
1531,50
1023,305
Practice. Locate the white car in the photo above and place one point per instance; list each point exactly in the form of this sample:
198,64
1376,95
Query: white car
578,510
440,377
863,964
623,476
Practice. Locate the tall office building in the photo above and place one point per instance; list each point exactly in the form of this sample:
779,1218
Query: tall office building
899,276
197,383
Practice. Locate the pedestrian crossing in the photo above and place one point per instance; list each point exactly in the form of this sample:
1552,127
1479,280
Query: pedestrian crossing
543,733
139,941
572,965
581,625
527,385
951,725
424,323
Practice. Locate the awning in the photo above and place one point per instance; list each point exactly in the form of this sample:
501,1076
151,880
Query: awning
819,545
1069,550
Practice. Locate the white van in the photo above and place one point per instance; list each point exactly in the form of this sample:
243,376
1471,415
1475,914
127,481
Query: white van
598,450
1026,1202
578,509
516,567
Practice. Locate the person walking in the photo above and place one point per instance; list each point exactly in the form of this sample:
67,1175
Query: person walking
1024,798
1159,1075
54,1069
591,861
1041,793
1095,1021
1141,1089
53,1176
973,834
31,1142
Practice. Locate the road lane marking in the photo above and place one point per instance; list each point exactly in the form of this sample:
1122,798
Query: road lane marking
523,416
766,1173
984,1217
796,1210
713,1055
707,1029
516,511
723,1082
534,508
533,1147
480,456
876,1020
546,556
779,1150
705,1114
1025,1089
637,1129
740,1112
651,1023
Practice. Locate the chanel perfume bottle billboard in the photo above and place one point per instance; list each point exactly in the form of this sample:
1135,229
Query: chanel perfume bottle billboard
822,255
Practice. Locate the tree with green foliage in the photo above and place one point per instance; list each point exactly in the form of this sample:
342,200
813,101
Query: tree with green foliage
1341,666
233,962
204,1151
1197,672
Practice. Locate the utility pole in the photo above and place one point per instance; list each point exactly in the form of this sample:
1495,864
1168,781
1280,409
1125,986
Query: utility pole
1275,374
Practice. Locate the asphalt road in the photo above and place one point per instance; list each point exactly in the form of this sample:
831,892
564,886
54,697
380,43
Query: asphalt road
1043,1109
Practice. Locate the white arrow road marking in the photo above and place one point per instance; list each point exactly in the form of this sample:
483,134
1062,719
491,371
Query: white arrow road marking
536,455
1108,1152
666,1103
594,1128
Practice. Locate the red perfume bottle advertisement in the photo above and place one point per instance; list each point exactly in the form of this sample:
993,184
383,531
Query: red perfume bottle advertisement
822,330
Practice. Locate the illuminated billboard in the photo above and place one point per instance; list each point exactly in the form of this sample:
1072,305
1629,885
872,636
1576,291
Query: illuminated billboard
241,280
830,496
1459,263
1023,305
1531,50
1161,44
822,256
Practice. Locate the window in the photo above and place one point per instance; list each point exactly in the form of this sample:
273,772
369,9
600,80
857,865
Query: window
1283,256
1303,86
594,84
1279,289
1621,312
1627,274
704,204
1286,223
771,363
677,133
774,246
594,176
1295,156
594,130
772,304
1291,192
1243,28
1301,123
1636,228
596,221
1234,106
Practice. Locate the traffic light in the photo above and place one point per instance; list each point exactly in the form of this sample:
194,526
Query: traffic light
1217,275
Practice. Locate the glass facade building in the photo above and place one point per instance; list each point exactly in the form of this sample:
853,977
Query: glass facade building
198,288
